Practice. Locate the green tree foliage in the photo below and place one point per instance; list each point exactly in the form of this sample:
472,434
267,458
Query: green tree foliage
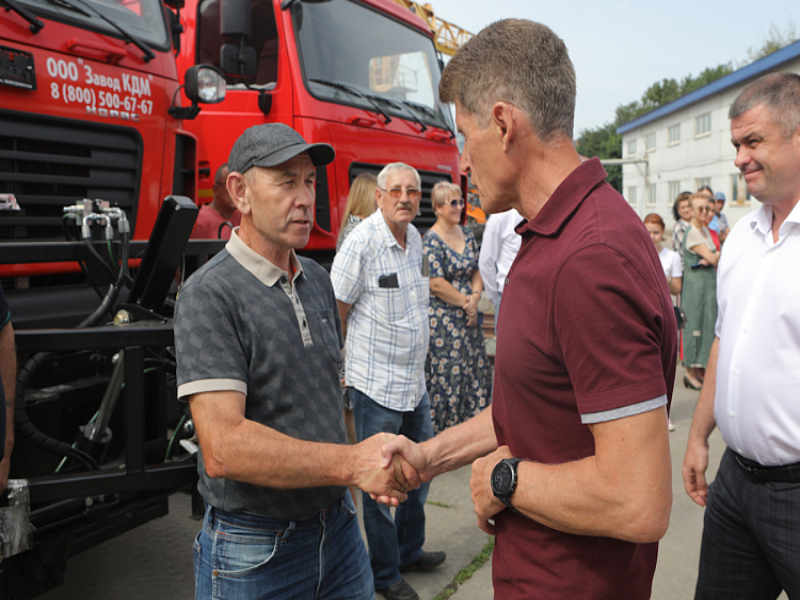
775,40
605,143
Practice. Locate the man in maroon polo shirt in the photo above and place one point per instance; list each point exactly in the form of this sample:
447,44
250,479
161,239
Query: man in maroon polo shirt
571,464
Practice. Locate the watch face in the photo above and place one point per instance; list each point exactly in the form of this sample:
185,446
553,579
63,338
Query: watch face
501,478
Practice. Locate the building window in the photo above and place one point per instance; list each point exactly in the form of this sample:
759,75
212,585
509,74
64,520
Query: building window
651,194
650,143
674,134
674,190
632,195
702,182
703,124
632,148
739,193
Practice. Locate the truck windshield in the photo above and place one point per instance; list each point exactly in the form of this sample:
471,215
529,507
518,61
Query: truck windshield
343,42
142,19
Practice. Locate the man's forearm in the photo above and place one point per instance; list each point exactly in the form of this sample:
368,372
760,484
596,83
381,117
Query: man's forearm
462,444
624,491
242,450
703,422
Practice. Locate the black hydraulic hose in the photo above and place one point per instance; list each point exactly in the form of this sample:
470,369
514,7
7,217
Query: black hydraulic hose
93,251
23,425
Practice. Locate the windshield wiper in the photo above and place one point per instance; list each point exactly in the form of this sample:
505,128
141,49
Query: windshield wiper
355,92
428,111
129,38
399,103
36,24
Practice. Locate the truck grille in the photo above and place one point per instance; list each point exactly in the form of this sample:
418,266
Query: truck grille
49,163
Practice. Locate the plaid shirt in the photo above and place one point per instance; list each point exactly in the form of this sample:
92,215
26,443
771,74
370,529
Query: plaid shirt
387,327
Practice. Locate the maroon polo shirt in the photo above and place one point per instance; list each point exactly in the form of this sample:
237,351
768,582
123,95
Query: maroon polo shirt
586,326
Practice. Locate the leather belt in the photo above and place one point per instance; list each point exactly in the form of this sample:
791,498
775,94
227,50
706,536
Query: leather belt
762,474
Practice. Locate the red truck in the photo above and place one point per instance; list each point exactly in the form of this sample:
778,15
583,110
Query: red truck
86,88
360,75
91,144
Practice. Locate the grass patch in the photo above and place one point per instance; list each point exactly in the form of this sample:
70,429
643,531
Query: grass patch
477,562
442,504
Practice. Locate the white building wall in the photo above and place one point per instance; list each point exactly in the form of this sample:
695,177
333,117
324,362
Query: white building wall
693,158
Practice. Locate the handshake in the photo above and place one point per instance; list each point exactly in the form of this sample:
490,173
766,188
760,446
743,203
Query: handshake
387,467
390,466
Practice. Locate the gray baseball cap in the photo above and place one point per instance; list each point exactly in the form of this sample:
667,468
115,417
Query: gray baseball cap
273,144
720,196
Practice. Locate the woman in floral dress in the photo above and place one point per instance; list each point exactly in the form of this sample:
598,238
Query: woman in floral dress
457,372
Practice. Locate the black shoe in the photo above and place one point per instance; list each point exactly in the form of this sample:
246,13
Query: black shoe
688,384
399,590
427,561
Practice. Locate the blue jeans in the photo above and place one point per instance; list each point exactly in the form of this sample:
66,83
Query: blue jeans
393,542
242,556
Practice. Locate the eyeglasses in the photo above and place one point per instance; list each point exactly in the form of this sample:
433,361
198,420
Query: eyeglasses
704,208
456,202
397,193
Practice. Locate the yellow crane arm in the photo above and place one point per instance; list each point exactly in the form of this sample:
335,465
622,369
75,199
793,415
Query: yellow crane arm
447,37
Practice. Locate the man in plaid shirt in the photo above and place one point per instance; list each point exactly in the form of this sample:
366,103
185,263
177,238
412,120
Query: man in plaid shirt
383,293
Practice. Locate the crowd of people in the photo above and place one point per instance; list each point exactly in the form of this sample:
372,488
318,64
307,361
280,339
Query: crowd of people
691,270
569,445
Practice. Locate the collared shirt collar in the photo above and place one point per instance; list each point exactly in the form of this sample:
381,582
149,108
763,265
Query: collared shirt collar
761,218
566,199
266,272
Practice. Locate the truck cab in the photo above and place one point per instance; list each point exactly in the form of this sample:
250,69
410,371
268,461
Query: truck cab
361,76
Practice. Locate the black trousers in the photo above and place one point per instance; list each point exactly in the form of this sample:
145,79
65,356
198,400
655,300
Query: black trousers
751,537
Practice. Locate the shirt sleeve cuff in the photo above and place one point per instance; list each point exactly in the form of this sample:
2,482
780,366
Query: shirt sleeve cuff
624,411
211,385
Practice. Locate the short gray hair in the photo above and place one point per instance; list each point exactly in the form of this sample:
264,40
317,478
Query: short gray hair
780,93
520,62
393,168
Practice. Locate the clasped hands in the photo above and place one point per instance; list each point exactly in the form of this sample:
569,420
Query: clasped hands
471,308
416,465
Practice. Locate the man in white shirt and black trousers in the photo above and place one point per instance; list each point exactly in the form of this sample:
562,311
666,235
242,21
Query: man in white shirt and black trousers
751,536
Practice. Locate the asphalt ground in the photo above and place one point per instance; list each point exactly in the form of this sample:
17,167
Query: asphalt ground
155,560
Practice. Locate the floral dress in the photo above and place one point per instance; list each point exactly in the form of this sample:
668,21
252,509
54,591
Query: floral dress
456,370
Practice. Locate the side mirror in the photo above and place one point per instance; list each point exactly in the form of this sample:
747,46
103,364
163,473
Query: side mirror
204,84
241,61
235,18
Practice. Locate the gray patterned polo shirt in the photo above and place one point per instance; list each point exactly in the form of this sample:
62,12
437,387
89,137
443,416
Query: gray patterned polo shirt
241,326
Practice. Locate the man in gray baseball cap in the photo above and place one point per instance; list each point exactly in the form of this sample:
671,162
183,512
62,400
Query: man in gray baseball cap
258,341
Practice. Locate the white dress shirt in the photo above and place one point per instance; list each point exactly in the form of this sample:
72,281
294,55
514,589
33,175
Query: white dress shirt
499,247
757,404
387,333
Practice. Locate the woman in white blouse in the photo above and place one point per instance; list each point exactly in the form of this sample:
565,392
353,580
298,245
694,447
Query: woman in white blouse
670,261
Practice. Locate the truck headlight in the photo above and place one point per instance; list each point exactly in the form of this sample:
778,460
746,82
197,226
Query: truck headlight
204,84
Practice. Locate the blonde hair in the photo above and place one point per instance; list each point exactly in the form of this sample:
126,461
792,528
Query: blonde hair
442,191
361,199
699,196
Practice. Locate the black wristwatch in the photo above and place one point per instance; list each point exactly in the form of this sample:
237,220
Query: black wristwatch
504,480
